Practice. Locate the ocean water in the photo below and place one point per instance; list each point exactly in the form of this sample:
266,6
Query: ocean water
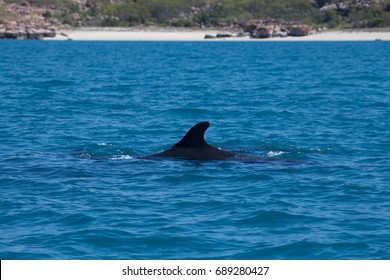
74,116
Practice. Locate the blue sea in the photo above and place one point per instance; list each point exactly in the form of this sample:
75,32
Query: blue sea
76,116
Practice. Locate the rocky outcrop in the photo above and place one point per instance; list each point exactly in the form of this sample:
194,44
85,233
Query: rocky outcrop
25,24
260,31
298,30
226,35
265,29
330,7
343,7
20,30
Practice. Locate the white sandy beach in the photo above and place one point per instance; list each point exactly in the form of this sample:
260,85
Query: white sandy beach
119,34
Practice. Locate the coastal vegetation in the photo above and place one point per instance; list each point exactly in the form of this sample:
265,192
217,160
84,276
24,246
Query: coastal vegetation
204,13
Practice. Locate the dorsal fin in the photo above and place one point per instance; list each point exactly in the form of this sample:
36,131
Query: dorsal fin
194,137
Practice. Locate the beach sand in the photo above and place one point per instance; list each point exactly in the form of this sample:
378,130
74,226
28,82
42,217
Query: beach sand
123,34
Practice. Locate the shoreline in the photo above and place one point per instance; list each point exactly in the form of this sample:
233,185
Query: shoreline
182,34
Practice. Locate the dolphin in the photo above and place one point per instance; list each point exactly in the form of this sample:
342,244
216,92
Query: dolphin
193,147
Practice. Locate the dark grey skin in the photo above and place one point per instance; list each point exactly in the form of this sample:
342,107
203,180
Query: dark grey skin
193,147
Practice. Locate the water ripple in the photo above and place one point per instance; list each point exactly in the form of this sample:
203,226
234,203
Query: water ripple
75,116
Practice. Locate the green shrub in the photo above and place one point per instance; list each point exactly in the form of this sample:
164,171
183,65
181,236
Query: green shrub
189,13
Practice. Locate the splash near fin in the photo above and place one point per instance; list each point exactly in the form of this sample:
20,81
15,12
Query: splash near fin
194,138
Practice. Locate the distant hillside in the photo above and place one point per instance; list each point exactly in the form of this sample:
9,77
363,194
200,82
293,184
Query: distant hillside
198,13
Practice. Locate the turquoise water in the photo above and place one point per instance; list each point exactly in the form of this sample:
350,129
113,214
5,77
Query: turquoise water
75,116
